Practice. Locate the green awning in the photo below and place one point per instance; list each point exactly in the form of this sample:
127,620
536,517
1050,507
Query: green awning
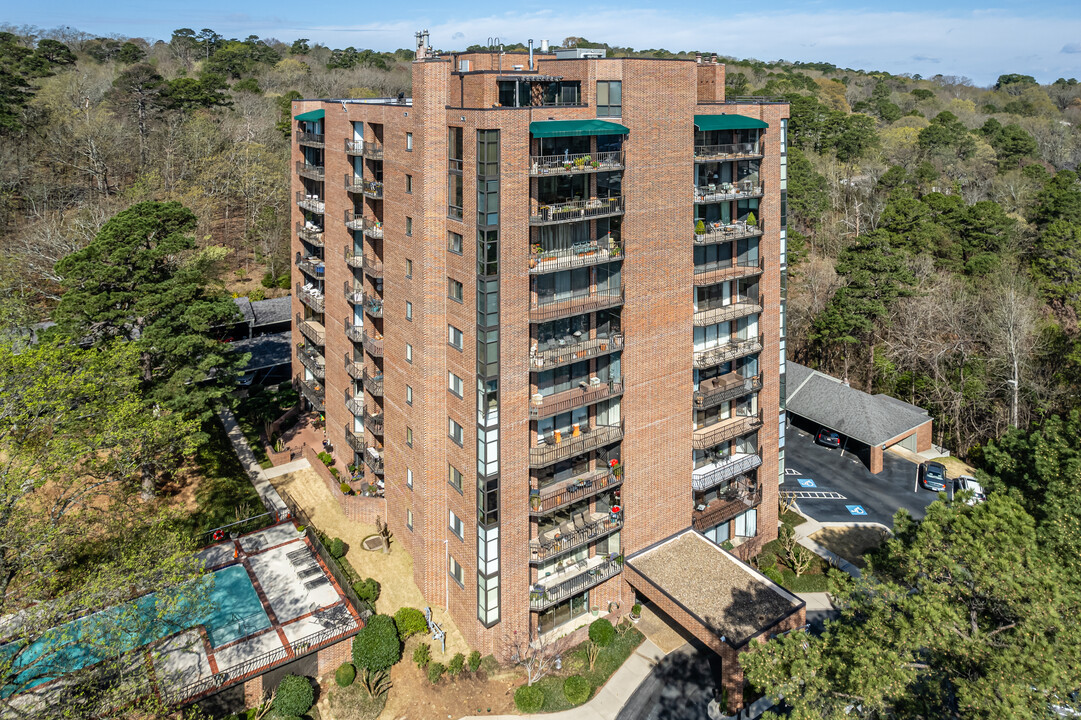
574,128
706,123
311,115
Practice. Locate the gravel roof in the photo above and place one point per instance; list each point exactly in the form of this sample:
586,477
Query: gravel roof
729,597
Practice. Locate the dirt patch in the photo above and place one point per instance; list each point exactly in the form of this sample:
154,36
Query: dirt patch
851,543
956,466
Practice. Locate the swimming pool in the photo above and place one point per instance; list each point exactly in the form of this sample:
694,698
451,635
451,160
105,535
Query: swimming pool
224,602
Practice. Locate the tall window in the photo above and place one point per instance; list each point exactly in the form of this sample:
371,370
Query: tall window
409,519
454,337
455,571
454,430
408,310
409,226
454,477
454,384
409,478
409,436
609,98
454,289
454,243
455,524
454,173
409,142
409,184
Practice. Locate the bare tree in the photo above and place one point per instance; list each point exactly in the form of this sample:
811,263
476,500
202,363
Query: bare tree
536,657
1011,326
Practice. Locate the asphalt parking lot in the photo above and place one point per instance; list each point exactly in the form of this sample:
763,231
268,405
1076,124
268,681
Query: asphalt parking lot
832,487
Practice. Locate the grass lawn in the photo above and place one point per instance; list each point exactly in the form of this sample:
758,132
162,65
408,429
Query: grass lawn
772,556
956,466
851,543
261,406
353,703
575,662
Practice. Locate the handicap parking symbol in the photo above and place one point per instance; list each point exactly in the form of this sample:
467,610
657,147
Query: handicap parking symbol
856,510
806,482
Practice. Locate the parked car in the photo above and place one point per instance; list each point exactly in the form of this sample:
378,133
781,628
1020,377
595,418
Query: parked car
933,476
967,482
828,438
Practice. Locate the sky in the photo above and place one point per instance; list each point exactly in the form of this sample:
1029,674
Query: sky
949,37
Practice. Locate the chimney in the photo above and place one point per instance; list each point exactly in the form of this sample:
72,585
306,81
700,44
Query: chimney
713,58
530,54
698,58
544,46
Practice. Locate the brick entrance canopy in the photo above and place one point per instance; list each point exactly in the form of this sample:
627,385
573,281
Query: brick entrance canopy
722,601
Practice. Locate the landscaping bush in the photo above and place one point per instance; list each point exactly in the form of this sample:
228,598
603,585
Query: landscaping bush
454,667
422,655
577,689
326,458
700,227
602,632
435,672
336,548
774,575
257,294
410,622
345,675
528,699
294,697
636,610
474,661
377,647
346,490
335,474
367,590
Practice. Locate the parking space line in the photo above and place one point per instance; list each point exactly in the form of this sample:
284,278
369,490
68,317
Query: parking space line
813,495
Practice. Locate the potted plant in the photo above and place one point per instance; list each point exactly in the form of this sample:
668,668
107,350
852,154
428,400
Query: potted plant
751,220
700,228
534,502
636,612
595,164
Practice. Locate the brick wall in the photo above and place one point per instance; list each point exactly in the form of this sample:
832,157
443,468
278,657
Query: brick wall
334,655
356,507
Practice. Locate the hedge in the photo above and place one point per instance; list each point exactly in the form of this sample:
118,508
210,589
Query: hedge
576,689
528,699
345,675
410,622
294,697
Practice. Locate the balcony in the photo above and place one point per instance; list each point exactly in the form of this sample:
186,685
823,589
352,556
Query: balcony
712,274
312,266
571,581
316,140
355,441
373,458
355,405
373,228
354,184
312,172
567,492
727,191
314,393
373,267
312,297
354,332
354,366
741,308
313,360
718,233
566,537
352,258
587,394
370,149
373,384
373,306
313,330
311,203
371,345
725,430
723,388
372,189
575,211
310,233
353,221
541,165
542,312
727,352
373,423
579,255
563,449
354,294
732,151
570,350
712,475
742,494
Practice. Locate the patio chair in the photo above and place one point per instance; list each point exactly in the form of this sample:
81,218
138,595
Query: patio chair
312,584
580,521
308,572
296,555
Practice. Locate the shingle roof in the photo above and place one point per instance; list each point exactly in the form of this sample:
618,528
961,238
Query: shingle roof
274,310
826,401
245,308
267,351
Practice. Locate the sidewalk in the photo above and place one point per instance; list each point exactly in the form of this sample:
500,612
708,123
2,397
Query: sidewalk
271,500
803,537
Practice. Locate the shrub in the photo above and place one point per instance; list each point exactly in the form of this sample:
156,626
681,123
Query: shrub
268,279
284,282
410,622
346,490
335,474
474,661
774,575
367,590
345,675
576,689
602,632
454,667
422,655
528,699
257,294
751,221
294,697
636,609
337,548
376,647
435,672
700,228
326,458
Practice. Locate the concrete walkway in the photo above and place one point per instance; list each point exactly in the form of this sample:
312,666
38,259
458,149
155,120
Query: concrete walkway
271,500
803,537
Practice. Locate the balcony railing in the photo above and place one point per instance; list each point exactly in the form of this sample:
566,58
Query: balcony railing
718,233
373,423
355,441
312,236
561,494
589,439
314,393
373,228
729,351
738,309
311,139
577,397
575,210
352,258
711,274
540,165
573,581
369,149
354,294
313,330
709,153
354,147
354,404
311,203
313,360
372,189
312,172
717,433
564,353
311,297
373,306
372,346
555,542
374,462
312,266
373,267
727,191
711,476
353,221
542,312
354,366
745,494
373,384
354,332
354,184
721,389
579,255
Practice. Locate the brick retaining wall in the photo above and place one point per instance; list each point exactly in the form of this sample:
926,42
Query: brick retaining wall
356,507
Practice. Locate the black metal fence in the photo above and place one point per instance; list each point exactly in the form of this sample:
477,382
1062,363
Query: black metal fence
233,530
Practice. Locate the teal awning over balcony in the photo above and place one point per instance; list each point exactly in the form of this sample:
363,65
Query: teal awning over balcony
311,115
574,128
706,123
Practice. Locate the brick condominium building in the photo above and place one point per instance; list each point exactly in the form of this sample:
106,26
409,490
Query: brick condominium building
560,336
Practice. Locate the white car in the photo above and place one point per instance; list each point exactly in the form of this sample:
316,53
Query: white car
967,482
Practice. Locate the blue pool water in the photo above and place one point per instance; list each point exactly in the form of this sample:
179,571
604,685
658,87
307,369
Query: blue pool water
224,602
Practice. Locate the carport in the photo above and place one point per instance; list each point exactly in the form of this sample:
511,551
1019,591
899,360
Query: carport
875,422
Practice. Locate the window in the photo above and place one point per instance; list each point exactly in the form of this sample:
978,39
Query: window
454,243
454,289
409,478
454,337
409,226
454,477
454,430
455,571
409,436
408,394
409,142
454,384
408,310
408,353
409,184
746,525
455,188
409,519
455,524
408,268
609,98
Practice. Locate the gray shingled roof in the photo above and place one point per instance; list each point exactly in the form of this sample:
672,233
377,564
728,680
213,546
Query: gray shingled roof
826,401
274,310
245,308
267,351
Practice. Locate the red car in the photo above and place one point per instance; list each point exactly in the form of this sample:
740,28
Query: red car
828,438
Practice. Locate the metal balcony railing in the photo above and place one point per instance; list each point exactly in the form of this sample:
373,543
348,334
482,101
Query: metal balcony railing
541,165
354,366
575,398
714,273
374,463
373,383
372,346
549,547
706,479
569,492
723,431
354,405
311,139
314,393
727,191
373,306
590,438
311,203
355,441
313,360
721,389
557,354
354,184
312,266
372,189
373,423
311,297
373,228
354,332
354,293
313,330
578,255
579,579
353,220
542,312
710,153
352,258
714,233
745,494
740,308
370,149
729,351
575,210
312,236
373,267
312,172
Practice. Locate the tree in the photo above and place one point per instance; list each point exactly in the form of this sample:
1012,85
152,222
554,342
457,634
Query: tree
376,648
961,615
299,47
947,133
188,94
141,280
536,657
136,92
808,194
1012,145
1060,199
1056,262
130,53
